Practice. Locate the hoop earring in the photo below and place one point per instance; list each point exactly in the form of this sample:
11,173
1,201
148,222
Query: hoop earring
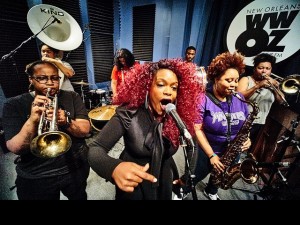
146,101
30,87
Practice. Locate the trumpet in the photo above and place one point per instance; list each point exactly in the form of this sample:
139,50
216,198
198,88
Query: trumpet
50,142
280,94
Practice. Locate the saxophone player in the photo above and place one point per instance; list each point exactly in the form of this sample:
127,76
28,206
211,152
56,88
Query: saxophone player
222,116
44,178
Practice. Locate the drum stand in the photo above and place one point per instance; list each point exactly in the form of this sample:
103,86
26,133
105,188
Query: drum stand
82,93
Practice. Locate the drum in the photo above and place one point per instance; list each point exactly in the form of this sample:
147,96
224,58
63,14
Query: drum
95,98
101,115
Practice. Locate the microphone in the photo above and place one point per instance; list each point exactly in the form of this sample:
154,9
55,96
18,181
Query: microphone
56,20
273,164
171,110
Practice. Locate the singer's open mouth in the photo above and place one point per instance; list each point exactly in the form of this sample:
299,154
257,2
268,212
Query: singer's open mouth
164,102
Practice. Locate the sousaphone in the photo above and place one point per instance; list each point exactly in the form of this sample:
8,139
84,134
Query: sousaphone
63,34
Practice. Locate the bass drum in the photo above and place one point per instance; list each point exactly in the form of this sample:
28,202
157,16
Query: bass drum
101,115
95,98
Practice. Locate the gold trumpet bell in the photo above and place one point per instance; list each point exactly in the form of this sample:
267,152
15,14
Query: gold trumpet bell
50,144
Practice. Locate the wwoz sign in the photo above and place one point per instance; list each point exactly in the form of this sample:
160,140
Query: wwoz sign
270,26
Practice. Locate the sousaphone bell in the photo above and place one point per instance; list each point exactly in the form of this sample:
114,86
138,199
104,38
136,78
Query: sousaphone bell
63,34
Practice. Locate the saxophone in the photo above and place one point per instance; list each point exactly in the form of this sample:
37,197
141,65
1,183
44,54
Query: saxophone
232,172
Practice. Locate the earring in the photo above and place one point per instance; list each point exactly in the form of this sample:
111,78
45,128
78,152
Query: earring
30,87
146,101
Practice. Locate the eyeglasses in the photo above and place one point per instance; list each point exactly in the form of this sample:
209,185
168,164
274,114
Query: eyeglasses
43,79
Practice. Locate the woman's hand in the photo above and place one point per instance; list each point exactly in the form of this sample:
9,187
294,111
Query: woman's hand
216,163
128,175
246,144
38,106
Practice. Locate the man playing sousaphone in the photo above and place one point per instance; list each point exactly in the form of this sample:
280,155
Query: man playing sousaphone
50,54
43,176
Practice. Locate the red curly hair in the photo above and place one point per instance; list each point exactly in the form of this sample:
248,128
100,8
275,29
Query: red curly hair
189,94
224,61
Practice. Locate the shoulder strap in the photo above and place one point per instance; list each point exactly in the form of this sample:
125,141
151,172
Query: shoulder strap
216,101
213,98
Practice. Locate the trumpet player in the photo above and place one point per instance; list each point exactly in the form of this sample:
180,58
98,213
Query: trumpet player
262,89
44,178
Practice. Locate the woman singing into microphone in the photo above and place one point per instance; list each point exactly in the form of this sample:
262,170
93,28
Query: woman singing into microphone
145,169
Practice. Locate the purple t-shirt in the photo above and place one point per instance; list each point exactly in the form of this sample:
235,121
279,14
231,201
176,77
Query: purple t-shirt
215,123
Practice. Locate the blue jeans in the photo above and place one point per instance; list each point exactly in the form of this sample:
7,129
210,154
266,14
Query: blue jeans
203,168
72,185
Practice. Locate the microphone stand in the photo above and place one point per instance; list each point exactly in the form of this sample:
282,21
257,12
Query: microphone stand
191,177
13,52
85,29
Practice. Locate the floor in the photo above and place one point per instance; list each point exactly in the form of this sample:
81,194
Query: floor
99,189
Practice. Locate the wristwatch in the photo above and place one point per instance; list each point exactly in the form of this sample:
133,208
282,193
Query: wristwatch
69,121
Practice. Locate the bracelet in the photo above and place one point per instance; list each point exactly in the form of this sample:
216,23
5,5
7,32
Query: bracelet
213,155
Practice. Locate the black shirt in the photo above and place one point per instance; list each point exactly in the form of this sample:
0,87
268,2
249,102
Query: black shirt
17,110
144,143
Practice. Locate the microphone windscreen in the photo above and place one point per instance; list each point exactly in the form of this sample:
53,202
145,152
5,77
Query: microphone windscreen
170,107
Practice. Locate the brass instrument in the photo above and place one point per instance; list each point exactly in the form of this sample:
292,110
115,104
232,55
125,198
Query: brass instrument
64,33
249,170
291,84
280,94
276,77
50,142
232,172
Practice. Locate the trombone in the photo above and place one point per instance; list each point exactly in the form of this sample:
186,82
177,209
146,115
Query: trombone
280,94
276,77
50,142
